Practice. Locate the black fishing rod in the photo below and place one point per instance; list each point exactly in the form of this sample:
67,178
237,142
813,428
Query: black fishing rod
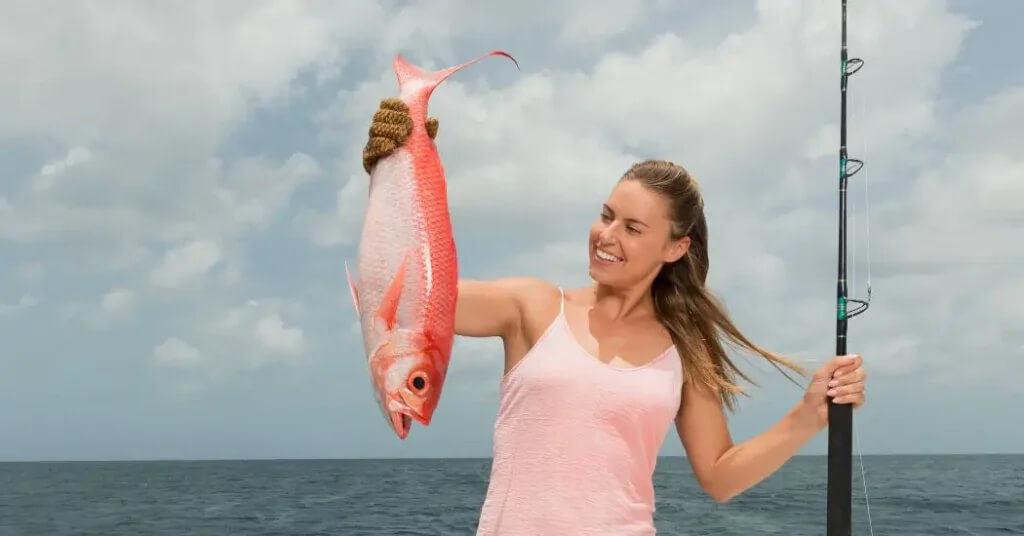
840,416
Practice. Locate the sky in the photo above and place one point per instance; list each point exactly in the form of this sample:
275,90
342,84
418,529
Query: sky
180,188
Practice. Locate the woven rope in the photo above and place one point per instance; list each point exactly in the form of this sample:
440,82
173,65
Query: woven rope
389,129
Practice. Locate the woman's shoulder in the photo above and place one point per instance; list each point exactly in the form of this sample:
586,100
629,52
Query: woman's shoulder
536,301
531,291
539,300
546,294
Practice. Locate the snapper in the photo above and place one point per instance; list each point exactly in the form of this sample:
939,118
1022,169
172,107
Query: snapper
407,272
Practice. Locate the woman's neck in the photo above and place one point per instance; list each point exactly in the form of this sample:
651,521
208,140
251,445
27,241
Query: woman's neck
623,303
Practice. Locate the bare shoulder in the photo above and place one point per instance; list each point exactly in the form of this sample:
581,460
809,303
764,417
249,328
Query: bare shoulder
538,302
505,307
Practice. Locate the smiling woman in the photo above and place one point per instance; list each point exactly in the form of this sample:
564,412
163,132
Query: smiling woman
595,376
653,230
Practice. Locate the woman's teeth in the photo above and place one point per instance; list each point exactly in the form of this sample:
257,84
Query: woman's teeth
605,256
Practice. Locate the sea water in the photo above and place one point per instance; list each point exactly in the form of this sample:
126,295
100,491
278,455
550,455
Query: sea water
907,496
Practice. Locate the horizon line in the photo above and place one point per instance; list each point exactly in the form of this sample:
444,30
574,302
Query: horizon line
438,458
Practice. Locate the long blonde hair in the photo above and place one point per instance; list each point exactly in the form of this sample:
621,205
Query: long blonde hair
696,320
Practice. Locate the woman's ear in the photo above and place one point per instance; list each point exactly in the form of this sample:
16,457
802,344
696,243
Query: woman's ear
677,249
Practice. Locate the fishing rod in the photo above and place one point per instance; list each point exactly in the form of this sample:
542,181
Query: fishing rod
840,416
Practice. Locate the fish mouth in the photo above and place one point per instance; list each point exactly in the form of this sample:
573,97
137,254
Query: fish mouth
401,420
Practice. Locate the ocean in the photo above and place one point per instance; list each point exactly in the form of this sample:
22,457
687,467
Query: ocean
909,496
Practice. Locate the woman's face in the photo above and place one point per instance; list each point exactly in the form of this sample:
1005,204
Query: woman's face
631,237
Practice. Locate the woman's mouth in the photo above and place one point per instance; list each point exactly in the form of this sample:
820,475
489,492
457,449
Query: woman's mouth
604,256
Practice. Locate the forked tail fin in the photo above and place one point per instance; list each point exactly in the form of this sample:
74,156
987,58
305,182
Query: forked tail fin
408,73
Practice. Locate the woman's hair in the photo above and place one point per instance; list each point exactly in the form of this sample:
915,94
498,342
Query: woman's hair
682,302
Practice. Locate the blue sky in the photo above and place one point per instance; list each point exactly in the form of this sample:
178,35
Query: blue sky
179,190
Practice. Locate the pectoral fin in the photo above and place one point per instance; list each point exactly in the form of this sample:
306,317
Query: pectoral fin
352,288
389,305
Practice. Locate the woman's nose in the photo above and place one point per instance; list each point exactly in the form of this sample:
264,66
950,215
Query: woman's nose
608,233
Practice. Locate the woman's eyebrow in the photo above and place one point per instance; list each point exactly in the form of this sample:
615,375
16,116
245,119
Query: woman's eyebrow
628,220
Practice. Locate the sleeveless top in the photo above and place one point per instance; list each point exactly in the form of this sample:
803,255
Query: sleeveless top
576,441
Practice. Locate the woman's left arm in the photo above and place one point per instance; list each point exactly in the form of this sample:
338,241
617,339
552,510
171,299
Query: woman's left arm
724,469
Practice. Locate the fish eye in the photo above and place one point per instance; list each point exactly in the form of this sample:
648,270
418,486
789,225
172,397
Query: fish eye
418,382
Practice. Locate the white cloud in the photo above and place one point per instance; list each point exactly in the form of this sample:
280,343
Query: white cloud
129,58
276,337
221,344
563,262
340,227
186,262
432,29
584,25
118,301
177,353
110,311
258,333
127,160
24,302
53,172
952,242
966,206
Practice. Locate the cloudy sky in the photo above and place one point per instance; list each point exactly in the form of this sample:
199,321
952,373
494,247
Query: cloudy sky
180,187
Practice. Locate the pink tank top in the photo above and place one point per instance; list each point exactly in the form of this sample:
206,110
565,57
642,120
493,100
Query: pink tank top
576,441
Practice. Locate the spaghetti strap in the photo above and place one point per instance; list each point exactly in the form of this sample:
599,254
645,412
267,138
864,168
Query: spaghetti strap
561,301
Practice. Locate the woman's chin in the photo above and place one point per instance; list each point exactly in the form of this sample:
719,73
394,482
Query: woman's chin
602,272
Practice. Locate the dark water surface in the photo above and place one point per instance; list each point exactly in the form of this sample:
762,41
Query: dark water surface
909,496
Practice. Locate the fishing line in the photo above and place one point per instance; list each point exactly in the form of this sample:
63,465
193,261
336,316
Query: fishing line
867,202
863,478
861,114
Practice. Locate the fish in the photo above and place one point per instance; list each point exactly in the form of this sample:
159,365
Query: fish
406,282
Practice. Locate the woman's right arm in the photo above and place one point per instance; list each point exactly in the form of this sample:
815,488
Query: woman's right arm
491,308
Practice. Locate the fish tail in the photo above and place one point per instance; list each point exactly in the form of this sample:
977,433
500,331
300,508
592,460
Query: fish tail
408,73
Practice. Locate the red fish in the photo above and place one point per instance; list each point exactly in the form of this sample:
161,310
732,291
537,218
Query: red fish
407,267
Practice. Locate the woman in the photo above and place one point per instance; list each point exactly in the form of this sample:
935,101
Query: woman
594,376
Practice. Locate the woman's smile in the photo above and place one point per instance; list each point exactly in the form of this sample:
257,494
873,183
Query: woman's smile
606,257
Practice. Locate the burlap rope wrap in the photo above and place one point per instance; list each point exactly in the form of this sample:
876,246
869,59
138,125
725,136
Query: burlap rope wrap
390,128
